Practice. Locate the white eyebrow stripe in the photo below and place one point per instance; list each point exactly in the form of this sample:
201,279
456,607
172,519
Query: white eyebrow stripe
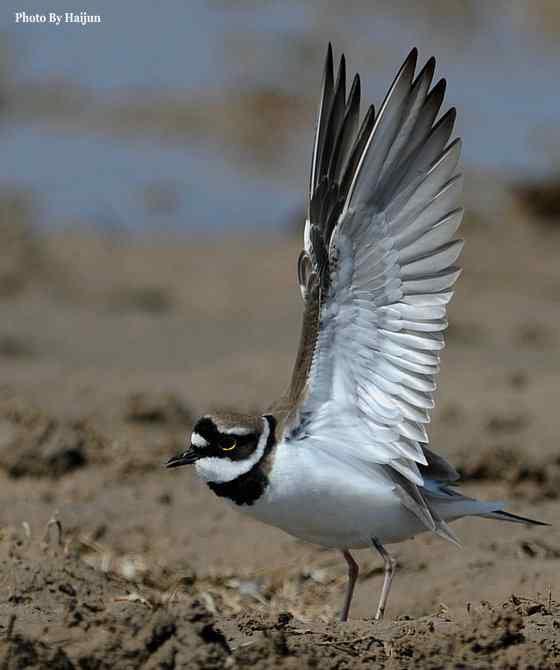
236,430
198,441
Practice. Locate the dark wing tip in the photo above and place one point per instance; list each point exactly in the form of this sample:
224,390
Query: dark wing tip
328,74
355,89
341,78
342,63
405,73
441,86
437,94
412,57
448,118
428,70
329,64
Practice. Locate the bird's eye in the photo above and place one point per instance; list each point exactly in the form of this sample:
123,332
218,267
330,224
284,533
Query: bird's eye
229,444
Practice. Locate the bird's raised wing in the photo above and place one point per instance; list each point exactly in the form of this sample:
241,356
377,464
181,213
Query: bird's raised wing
377,273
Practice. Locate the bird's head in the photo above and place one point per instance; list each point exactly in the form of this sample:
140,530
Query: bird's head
226,446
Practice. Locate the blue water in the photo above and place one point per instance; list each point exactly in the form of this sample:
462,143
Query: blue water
502,76
101,181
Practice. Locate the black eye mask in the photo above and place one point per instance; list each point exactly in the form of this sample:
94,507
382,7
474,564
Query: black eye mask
235,447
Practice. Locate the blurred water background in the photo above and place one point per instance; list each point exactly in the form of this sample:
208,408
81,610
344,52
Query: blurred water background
199,116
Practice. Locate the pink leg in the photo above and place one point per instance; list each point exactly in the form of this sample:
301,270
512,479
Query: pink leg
389,568
353,571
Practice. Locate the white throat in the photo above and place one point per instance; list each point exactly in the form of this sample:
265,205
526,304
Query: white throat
222,470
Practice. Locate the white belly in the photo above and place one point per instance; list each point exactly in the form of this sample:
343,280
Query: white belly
323,500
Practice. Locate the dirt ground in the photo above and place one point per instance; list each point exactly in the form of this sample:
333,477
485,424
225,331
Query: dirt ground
111,346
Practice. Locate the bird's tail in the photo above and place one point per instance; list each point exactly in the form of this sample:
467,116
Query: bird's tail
500,515
449,504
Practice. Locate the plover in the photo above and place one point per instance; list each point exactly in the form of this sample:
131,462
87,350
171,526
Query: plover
341,460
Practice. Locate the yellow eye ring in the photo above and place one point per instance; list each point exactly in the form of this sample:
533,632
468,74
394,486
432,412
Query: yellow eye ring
231,447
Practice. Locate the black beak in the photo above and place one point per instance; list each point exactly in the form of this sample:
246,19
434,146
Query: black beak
186,458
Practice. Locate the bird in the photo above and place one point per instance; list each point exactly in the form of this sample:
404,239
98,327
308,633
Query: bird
342,460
